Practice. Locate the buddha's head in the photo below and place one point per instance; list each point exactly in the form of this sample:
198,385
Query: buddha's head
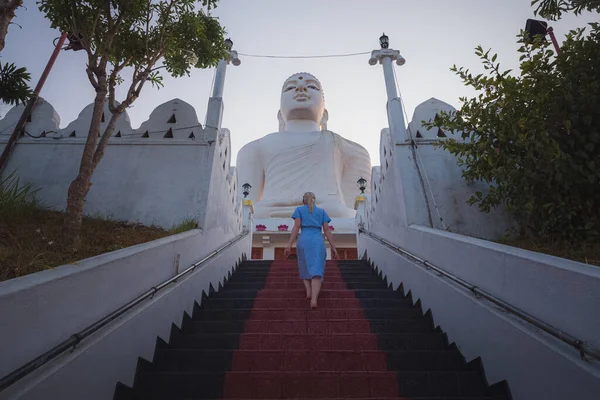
302,99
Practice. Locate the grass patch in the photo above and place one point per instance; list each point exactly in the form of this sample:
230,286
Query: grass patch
17,199
31,238
186,225
34,242
587,253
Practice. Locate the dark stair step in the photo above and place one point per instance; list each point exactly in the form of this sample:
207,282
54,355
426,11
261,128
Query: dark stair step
305,314
286,293
310,326
234,285
237,303
294,273
387,342
415,384
242,278
191,360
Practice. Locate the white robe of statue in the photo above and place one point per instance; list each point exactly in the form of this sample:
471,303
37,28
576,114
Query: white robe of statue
302,157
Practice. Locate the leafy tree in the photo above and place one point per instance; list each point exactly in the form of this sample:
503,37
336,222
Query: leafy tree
13,84
553,9
14,88
146,37
535,137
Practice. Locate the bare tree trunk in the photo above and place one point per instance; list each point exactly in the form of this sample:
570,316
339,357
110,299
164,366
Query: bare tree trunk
110,128
7,13
80,187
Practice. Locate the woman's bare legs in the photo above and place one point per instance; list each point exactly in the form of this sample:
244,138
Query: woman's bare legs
315,289
307,287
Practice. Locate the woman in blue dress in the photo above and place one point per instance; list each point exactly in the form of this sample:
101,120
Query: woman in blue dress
311,220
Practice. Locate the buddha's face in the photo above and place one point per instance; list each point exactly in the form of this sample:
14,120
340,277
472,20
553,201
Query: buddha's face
302,98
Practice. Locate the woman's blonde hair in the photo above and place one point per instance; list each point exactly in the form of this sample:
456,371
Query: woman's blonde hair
309,199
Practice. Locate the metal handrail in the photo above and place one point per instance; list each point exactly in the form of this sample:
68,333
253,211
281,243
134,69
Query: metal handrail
76,338
583,348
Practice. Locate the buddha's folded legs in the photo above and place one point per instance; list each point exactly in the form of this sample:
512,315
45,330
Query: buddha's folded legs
334,210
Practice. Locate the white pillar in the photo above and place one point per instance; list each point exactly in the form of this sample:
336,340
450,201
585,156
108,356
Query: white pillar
268,253
396,121
220,79
360,205
248,210
232,57
388,75
214,113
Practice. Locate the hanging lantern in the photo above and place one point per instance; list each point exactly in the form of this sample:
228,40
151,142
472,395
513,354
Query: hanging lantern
228,43
246,187
362,185
384,41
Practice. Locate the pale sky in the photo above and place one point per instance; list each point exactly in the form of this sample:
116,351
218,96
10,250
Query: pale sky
431,34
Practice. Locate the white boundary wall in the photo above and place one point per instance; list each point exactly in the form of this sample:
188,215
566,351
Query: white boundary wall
41,310
563,293
154,180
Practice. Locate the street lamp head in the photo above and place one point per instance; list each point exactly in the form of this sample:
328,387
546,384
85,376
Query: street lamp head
401,60
228,43
246,187
362,184
74,42
535,27
384,41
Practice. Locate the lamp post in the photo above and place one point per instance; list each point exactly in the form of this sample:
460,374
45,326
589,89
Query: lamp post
232,57
536,27
248,208
385,56
362,185
214,111
34,96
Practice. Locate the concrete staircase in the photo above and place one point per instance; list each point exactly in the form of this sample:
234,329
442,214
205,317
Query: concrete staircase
256,337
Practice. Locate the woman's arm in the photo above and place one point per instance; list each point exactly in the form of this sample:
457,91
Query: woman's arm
330,239
295,229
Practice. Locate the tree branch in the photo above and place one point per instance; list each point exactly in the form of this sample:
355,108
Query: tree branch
14,4
91,78
112,82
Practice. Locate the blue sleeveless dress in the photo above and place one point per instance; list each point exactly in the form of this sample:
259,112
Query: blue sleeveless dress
311,245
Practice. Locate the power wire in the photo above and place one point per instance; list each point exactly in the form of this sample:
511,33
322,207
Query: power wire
315,56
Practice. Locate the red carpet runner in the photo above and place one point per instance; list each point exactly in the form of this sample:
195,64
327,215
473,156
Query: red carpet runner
288,351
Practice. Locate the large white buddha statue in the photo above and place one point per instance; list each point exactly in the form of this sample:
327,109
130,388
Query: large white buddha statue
302,157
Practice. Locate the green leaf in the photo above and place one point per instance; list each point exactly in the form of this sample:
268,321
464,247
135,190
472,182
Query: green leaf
535,135
14,84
